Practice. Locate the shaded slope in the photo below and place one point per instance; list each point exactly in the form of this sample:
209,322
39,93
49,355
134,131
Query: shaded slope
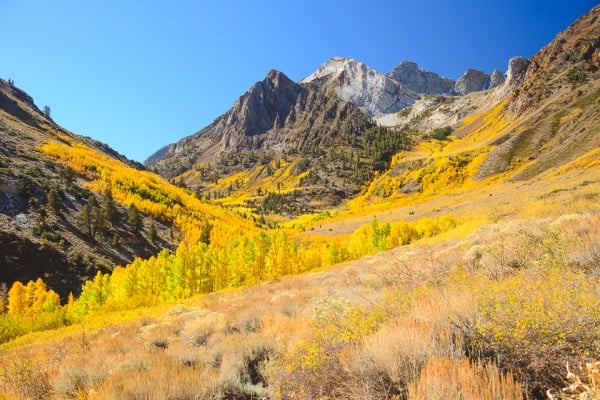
44,231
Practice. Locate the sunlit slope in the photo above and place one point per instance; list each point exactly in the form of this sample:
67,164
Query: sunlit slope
149,192
496,165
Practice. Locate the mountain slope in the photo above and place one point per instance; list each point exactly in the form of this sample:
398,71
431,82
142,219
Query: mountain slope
316,142
65,203
544,118
556,108
41,204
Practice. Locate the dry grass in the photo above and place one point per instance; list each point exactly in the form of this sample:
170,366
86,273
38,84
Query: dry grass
399,324
451,379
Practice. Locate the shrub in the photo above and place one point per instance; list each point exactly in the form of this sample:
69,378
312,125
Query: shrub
22,376
441,133
160,343
534,320
576,76
452,379
384,363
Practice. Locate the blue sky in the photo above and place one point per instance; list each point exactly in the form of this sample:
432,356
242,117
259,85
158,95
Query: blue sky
138,75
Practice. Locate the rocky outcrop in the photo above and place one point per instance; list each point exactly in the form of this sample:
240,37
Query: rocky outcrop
517,67
353,81
420,81
497,78
471,81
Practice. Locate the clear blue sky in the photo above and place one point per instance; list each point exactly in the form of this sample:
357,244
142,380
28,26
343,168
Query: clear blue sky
138,75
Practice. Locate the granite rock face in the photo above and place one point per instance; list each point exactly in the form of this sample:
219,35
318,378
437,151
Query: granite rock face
471,81
517,67
497,78
355,82
420,81
266,105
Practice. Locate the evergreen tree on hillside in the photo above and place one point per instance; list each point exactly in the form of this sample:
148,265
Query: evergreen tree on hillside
53,204
152,235
84,220
110,209
134,220
205,233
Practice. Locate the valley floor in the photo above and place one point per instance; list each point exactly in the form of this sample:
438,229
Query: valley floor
432,320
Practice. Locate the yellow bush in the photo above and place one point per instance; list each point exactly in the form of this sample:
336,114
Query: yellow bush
533,320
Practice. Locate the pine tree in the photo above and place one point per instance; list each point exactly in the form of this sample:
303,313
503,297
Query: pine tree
110,209
99,221
134,220
152,235
205,233
85,220
53,204
42,214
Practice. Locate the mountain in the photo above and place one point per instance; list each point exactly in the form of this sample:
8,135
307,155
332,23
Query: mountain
42,200
419,80
534,102
553,103
542,118
355,82
297,140
426,83
310,145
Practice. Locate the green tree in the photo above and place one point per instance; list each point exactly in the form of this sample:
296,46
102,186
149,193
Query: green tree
110,209
42,214
134,220
205,233
85,220
67,175
152,235
53,204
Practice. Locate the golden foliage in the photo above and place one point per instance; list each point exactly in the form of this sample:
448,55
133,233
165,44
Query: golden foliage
147,191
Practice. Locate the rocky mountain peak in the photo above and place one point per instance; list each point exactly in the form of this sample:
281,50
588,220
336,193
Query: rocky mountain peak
276,79
472,80
355,82
497,78
423,82
332,68
266,105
